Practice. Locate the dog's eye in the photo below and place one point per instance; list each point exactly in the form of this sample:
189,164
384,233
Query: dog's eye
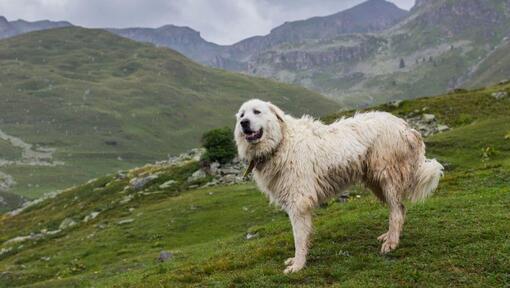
256,112
242,115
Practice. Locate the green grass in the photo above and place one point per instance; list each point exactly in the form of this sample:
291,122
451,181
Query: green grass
458,238
9,152
96,97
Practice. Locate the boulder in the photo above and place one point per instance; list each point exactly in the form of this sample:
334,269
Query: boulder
167,184
500,95
91,216
250,236
428,117
67,223
126,199
165,256
442,128
139,183
197,175
126,221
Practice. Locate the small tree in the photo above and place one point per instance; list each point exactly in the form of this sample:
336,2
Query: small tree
220,145
402,64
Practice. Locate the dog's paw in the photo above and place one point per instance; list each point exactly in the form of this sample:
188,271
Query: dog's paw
293,265
388,246
289,261
383,237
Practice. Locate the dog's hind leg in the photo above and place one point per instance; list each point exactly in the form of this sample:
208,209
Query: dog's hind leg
302,229
396,222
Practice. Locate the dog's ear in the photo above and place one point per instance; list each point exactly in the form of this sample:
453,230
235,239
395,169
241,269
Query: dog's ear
277,111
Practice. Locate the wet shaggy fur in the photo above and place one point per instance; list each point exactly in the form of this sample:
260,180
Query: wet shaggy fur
301,163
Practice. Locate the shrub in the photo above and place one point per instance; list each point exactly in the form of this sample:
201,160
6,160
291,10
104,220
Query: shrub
220,145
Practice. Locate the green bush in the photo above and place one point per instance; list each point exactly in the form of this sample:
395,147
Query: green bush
220,145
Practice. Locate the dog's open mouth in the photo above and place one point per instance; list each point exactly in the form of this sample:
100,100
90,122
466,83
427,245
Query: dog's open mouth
252,136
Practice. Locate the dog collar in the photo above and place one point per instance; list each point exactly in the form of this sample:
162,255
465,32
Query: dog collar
250,168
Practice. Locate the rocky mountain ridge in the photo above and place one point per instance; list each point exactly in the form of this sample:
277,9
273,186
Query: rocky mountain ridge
14,28
375,52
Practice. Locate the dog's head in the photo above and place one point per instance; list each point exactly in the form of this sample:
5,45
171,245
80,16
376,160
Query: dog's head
259,129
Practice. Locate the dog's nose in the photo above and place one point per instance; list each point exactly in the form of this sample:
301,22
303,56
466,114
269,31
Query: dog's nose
245,123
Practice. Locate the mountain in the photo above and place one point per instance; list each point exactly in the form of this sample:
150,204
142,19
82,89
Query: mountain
376,52
13,28
102,234
77,103
182,39
370,16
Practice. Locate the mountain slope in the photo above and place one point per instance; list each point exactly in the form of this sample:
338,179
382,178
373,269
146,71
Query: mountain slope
13,28
376,52
431,51
105,103
458,238
370,16
493,69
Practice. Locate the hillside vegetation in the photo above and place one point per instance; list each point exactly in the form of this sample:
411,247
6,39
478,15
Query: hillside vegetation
458,238
107,103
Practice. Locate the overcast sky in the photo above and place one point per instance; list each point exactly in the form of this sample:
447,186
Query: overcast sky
219,21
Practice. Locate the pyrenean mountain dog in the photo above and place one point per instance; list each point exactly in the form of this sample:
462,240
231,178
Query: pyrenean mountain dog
300,163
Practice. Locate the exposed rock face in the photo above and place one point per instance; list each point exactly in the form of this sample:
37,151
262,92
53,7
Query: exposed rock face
296,59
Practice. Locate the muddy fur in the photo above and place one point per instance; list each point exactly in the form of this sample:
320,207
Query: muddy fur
301,163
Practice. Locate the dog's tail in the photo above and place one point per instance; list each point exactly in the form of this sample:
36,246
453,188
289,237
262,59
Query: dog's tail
427,179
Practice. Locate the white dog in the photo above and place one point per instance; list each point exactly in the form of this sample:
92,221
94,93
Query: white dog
300,163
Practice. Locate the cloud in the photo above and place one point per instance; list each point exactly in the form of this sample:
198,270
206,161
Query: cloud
220,21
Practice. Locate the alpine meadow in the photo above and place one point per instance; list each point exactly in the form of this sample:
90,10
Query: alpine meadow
128,159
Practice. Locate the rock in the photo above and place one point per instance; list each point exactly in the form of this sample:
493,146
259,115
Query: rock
67,223
126,199
197,175
121,175
91,216
344,197
231,178
126,221
140,182
214,167
165,256
33,236
101,226
4,251
192,155
167,184
19,239
229,171
250,236
214,182
442,128
428,117
500,95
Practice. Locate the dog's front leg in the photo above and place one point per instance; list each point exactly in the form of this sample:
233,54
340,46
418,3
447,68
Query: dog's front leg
301,228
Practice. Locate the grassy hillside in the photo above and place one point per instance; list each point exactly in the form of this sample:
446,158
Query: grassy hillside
106,103
458,238
494,68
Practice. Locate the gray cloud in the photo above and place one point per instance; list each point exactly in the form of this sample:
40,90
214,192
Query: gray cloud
220,21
